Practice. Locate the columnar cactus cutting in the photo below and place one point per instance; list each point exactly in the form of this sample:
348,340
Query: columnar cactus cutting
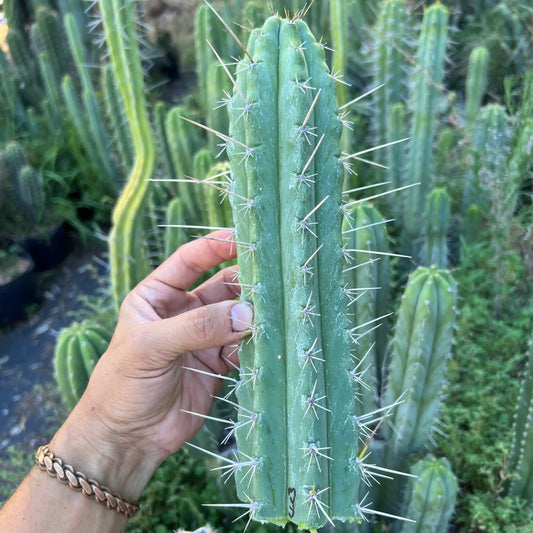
476,82
521,461
77,351
295,430
430,497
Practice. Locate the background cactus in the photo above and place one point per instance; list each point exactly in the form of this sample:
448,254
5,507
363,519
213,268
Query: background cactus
436,219
126,250
521,460
426,93
430,498
77,351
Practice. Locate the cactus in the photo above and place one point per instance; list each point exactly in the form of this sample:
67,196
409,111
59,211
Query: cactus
218,208
117,117
339,32
174,236
77,351
521,460
419,352
476,82
296,397
31,194
390,64
183,143
436,219
430,498
99,148
366,247
427,78
127,260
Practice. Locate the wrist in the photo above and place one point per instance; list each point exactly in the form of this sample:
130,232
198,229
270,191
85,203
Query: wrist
85,443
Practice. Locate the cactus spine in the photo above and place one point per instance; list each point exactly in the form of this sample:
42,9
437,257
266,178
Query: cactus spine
286,196
436,218
427,79
521,460
77,351
128,265
431,497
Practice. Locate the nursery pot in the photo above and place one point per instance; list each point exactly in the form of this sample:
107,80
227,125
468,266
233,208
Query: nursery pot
17,293
50,250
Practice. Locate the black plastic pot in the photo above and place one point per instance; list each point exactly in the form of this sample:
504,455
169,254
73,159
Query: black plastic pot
17,295
50,250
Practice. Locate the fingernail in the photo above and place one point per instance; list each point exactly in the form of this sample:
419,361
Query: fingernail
242,316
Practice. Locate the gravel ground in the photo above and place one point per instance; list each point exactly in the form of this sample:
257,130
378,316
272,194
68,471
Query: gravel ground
30,406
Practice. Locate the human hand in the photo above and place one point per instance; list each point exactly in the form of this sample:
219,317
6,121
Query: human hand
133,409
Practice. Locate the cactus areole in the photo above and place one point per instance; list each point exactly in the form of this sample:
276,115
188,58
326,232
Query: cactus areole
296,428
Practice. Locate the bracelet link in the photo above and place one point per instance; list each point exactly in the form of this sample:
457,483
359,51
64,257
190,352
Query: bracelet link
78,481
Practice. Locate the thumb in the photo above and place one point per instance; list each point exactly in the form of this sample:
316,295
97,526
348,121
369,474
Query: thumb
209,326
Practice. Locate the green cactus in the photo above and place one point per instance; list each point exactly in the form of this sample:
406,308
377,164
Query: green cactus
436,220
286,194
218,208
339,33
419,352
430,498
366,247
30,191
390,68
427,78
183,142
521,460
174,236
78,349
117,117
126,251
99,148
476,82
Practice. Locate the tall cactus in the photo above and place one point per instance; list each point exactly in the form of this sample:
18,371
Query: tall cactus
436,221
521,460
296,397
128,265
430,498
427,78
77,351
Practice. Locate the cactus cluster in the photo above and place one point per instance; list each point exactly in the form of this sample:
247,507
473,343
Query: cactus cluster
78,349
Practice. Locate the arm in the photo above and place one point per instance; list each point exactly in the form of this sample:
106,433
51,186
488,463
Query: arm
131,417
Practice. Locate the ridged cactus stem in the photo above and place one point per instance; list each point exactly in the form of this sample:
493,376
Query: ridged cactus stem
521,461
339,33
430,497
128,266
436,219
419,353
366,247
476,82
296,412
427,78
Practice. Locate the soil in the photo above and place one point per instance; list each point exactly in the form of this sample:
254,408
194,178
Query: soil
30,406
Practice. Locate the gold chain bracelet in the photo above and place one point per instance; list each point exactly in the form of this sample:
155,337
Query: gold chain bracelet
78,481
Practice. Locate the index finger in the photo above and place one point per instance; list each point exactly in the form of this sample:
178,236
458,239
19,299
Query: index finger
191,260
